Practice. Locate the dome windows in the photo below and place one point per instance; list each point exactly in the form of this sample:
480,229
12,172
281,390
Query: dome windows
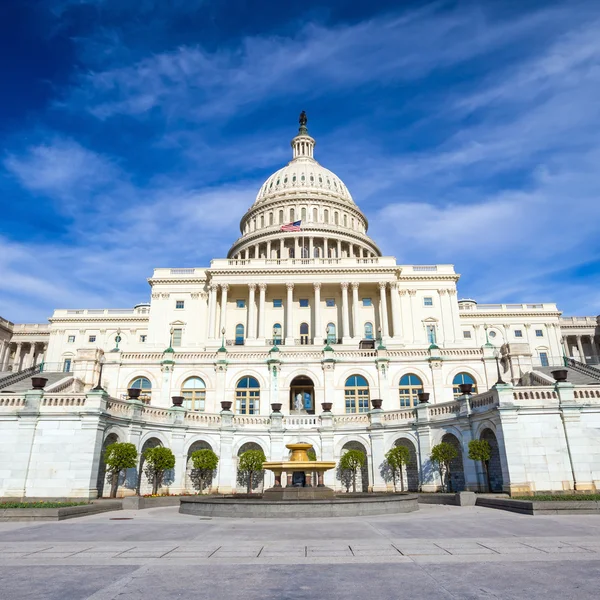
302,178
294,179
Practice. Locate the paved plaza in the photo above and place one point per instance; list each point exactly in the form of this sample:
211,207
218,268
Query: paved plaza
439,552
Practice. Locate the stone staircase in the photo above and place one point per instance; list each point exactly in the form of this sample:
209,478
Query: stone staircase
24,384
575,376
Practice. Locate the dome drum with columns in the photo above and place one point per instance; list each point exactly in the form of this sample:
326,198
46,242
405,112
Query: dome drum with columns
332,225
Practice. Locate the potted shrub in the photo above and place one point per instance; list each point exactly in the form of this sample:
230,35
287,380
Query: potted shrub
326,406
226,405
560,375
276,407
376,403
38,383
134,393
177,400
466,389
423,397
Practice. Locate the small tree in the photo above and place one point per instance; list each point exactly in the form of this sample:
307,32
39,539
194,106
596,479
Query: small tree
482,451
251,463
442,455
204,465
118,457
396,458
352,461
156,461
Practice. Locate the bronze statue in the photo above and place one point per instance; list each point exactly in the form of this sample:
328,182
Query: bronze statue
303,120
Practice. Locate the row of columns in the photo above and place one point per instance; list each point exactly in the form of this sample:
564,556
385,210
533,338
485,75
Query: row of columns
325,248
579,343
318,335
21,359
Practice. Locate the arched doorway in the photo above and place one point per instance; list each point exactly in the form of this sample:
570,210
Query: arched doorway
257,479
303,389
103,485
192,484
457,471
495,465
143,485
362,477
411,470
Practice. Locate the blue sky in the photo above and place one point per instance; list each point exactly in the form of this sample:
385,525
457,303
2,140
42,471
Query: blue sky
134,135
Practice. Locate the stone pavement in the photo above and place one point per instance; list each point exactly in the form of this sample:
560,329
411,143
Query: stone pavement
440,552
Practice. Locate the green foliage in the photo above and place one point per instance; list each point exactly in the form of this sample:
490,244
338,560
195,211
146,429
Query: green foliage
204,465
4,505
156,461
251,462
442,455
480,450
396,458
312,455
118,457
351,461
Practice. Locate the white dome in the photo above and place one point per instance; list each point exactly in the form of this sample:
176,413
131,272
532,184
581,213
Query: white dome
304,176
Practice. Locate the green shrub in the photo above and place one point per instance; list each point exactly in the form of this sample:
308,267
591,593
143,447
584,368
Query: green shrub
118,457
442,455
156,461
482,451
396,458
251,463
351,462
204,466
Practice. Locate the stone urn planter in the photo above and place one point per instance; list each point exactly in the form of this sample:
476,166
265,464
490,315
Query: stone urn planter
177,400
560,375
466,388
276,407
38,383
226,405
376,403
134,393
326,406
423,397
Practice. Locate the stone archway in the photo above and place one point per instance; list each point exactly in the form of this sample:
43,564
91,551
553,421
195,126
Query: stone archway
411,470
143,485
257,479
495,464
102,485
304,388
362,477
457,470
190,484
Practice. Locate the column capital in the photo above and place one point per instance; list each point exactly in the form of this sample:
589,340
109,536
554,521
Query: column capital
289,285
344,285
262,286
382,285
224,287
213,287
442,291
251,286
451,291
354,285
402,291
394,285
412,292
317,285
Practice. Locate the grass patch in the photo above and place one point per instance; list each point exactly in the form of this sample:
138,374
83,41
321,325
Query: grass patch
560,498
39,504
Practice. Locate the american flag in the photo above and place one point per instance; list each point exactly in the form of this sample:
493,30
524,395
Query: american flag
295,226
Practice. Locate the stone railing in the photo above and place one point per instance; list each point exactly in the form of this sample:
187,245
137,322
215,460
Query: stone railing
12,401
301,421
245,420
351,420
66,400
202,419
534,393
150,413
445,409
587,393
482,402
400,415
118,407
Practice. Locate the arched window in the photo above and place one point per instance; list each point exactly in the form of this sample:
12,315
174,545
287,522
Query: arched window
239,335
247,396
356,394
304,333
277,334
262,220
368,331
303,213
292,214
336,218
142,383
326,216
271,218
345,220
331,335
410,386
194,393
315,215
281,217
462,378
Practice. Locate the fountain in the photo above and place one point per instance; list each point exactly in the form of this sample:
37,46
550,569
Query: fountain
300,471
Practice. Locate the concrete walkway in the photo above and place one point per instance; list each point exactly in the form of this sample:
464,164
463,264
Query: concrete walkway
440,552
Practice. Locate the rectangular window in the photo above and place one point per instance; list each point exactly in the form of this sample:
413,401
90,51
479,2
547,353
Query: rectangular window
467,335
240,304
330,302
431,334
67,365
518,333
277,303
179,303
92,339
367,302
177,333
303,302
143,338
428,301
71,339
539,333
544,359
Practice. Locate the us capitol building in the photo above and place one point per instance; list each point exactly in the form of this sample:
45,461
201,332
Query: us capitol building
304,332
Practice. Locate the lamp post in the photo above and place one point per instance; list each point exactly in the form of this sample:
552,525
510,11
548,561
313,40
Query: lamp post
223,337
117,340
99,387
497,357
171,332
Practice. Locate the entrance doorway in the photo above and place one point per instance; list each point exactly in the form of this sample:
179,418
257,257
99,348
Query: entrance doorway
303,389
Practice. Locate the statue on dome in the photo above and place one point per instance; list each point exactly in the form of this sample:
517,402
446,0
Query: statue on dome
303,119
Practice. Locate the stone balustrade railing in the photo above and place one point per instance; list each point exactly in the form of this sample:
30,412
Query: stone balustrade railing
445,409
400,415
301,422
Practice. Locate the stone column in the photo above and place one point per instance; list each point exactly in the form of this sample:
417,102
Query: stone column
17,358
317,333
580,349
251,335
212,311
566,345
339,249
355,309
411,296
289,309
311,242
396,316
3,350
385,331
351,250
281,248
261,310
297,252
345,313
325,248
224,290
30,356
